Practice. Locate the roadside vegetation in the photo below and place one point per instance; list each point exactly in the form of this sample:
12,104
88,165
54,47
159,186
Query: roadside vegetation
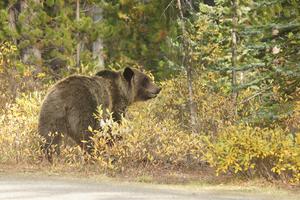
230,75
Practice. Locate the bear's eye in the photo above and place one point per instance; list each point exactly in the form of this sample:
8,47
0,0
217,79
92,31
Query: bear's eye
145,82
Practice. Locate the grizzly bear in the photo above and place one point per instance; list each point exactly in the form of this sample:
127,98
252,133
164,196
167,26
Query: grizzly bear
69,106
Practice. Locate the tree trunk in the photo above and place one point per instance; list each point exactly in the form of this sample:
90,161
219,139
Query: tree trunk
234,56
78,35
98,44
188,68
31,54
12,20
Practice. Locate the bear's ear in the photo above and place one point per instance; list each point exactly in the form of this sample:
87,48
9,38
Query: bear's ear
128,74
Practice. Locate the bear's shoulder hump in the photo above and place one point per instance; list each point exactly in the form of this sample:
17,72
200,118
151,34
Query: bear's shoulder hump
108,74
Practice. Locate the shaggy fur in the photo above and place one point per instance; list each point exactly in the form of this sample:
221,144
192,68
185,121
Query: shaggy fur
69,105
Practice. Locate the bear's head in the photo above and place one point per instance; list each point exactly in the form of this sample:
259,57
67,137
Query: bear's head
142,87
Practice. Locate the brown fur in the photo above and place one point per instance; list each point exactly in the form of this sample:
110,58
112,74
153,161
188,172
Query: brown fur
69,105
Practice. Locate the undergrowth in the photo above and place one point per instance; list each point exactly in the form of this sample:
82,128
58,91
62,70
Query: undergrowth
151,137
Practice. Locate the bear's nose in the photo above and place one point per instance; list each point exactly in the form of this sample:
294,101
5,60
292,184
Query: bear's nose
158,90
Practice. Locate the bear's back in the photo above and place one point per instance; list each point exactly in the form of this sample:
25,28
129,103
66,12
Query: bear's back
76,92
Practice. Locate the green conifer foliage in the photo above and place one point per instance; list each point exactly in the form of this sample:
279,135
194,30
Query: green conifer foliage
268,55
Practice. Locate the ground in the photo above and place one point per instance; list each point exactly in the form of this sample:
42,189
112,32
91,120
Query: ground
43,185
54,187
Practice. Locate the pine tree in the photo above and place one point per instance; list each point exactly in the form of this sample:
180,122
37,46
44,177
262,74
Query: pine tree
135,34
266,58
47,34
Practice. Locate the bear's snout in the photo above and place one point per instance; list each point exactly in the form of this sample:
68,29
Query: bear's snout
155,89
153,92
158,90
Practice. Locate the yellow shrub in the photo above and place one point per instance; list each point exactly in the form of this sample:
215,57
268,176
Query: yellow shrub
149,137
19,140
271,153
145,142
15,77
214,109
155,134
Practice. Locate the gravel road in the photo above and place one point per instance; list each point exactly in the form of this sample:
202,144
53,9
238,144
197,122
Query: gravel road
58,188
